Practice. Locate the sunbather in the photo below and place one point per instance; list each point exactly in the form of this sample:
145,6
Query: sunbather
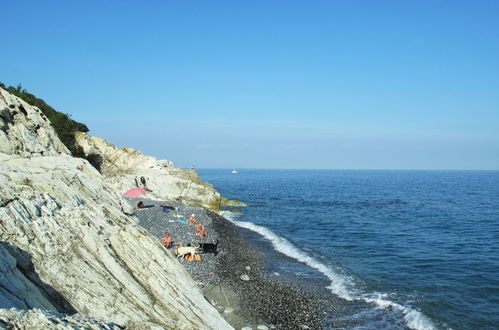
167,240
191,220
201,231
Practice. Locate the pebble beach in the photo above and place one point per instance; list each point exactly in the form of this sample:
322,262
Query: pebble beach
233,281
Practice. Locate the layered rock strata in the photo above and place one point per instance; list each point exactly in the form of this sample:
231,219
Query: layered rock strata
39,319
124,168
69,244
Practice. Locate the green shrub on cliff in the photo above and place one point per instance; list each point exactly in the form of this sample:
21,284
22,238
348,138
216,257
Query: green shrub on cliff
64,126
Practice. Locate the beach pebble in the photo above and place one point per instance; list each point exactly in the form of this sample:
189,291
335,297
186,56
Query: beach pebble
245,277
228,310
303,326
262,327
246,328
247,268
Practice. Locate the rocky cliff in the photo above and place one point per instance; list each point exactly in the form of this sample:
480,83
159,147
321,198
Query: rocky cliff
123,169
70,244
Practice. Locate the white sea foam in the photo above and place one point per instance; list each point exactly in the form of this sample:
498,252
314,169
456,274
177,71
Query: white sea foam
413,318
341,285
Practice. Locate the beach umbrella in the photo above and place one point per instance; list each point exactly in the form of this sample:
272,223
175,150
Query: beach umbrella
134,192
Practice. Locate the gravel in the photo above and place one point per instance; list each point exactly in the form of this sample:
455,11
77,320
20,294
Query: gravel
259,299
157,222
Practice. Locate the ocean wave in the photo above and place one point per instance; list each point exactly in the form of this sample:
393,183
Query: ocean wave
341,285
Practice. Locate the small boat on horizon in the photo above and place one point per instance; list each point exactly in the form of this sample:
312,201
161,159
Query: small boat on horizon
234,172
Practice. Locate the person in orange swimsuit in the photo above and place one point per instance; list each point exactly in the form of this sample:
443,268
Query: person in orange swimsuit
201,231
191,220
167,240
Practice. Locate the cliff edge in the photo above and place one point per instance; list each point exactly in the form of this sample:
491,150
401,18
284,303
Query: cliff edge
69,243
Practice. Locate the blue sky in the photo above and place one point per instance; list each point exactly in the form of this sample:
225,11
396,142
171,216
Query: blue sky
269,84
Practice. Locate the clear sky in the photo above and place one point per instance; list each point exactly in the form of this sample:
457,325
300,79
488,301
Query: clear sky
269,84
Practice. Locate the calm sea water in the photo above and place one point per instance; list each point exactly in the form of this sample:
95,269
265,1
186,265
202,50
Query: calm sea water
417,249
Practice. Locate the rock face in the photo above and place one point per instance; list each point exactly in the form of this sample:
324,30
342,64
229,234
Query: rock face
68,243
38,319
123,169
25,131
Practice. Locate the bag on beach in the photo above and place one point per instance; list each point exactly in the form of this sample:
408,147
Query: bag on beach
196,257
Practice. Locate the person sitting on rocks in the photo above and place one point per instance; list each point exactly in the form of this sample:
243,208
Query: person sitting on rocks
167,240
191,220
140,205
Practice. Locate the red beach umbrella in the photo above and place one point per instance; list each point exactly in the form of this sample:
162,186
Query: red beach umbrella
134,192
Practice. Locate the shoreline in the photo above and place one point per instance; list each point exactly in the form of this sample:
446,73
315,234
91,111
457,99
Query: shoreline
264,298
234,281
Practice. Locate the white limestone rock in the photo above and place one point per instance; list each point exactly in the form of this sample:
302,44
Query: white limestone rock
39,319
123,169
16,289
68,243
24,130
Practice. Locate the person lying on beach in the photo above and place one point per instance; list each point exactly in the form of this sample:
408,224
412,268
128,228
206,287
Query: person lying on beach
201,231
191,220
168,207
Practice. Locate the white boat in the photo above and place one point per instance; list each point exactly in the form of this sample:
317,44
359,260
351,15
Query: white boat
234,172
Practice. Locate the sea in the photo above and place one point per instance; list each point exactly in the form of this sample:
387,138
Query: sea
403,249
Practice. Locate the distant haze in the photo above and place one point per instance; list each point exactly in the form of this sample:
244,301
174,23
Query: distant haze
269,84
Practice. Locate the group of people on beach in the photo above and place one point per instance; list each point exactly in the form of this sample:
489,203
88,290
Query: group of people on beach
199,227
168,242
167,239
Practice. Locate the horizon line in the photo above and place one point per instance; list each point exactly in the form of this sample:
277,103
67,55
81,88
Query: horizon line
344,169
